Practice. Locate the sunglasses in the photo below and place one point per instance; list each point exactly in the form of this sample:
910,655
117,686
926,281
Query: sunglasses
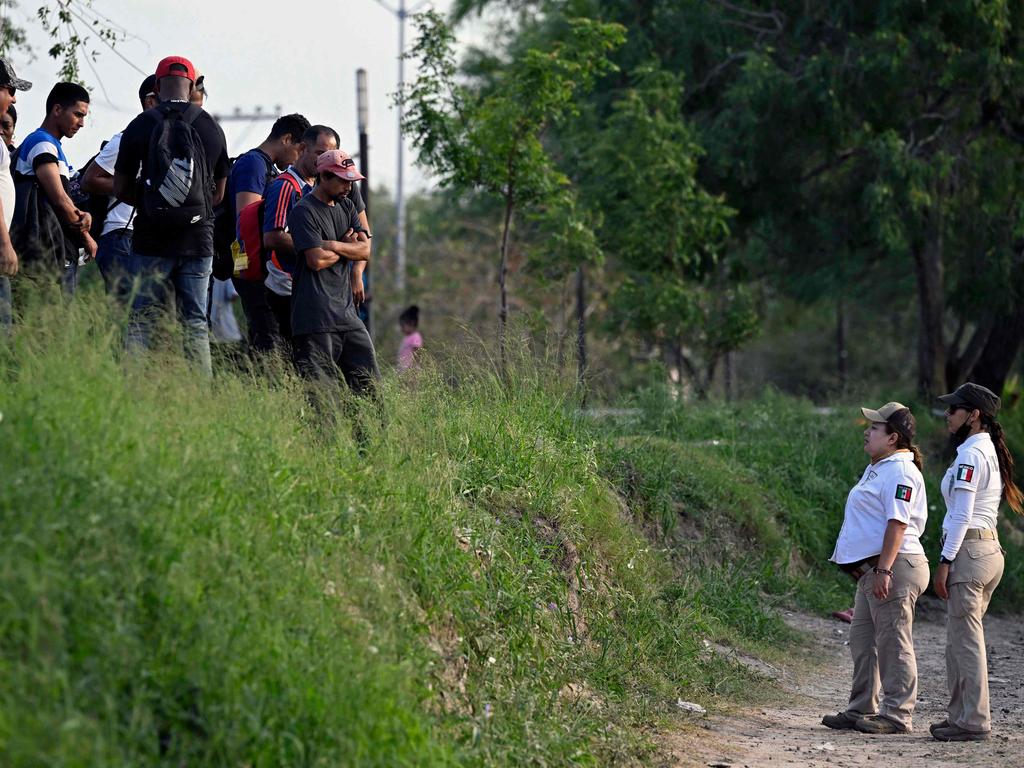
954,408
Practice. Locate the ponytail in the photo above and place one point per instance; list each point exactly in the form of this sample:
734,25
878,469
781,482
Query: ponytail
1011,493
904,426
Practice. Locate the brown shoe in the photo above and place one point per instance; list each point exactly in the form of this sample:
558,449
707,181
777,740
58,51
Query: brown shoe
840,721
879,725
954,733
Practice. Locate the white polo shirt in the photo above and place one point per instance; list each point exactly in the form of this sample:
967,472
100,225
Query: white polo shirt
892,489
972,489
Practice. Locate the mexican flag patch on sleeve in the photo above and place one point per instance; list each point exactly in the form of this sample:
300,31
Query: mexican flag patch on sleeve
903,492
965,472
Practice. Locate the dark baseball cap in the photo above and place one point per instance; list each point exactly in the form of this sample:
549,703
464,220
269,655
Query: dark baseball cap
148,87
8,78
974,395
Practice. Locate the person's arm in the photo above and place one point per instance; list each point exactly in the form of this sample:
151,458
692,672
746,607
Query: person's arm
959,513
242,199
280,241
218,192
357,250
49,179
891,543
129,160
97,181
8,256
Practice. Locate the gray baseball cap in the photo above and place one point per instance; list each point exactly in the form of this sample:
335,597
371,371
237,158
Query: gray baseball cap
973,396
9,79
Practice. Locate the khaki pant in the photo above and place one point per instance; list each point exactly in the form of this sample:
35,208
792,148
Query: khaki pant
882,643
973,577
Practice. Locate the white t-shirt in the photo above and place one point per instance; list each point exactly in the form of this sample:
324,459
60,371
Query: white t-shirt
892,489
974,480
6,185
120,216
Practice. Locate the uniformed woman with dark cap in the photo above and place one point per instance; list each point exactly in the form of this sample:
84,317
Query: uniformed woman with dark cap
879,545
971,565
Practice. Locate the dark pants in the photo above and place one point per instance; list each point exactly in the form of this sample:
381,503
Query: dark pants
262,329
6,315
113,257
328,357
281,308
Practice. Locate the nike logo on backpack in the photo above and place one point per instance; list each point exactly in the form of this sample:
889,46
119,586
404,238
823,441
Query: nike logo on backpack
177,181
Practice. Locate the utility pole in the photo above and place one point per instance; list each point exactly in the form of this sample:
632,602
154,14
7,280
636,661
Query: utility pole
362,116
401,13
238,116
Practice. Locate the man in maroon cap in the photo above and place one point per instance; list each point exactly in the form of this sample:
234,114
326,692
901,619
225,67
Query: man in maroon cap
174,188
328,336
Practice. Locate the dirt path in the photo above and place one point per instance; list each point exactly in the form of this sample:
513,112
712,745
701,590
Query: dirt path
790,733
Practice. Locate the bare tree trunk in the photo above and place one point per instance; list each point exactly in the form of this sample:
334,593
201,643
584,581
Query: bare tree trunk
1000,351
842,354
581,331
931,348
502,273
728,377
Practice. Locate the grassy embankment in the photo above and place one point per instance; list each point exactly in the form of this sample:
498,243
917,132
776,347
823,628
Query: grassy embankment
196,574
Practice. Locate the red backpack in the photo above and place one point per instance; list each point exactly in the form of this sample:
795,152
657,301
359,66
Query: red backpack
250,235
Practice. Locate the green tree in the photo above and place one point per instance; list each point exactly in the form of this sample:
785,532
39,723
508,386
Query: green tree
491,139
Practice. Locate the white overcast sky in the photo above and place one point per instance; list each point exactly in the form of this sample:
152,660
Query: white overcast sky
301,56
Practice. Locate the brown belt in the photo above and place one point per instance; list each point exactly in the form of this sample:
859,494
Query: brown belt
984,534
856,570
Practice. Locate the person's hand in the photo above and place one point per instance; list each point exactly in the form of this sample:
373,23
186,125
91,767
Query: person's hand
358,293
84,221
882,583
8,260
349,237
939,582
90,247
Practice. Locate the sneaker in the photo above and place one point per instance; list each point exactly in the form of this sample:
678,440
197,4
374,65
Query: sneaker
934,726
879,725
954,733
840,721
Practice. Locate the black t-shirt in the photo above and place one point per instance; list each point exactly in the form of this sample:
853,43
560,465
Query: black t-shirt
322,299
196,240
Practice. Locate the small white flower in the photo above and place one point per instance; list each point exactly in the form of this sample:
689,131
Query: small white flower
373,649
330,588
491,661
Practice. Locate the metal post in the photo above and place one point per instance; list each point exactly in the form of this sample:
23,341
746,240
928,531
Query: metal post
362,113
399,191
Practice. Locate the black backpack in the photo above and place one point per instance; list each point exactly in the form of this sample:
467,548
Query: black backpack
98,206
176,188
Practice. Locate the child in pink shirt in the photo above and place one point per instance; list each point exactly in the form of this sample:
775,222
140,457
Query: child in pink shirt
409,322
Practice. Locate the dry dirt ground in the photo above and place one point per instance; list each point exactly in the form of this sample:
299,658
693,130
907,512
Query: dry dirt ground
789,732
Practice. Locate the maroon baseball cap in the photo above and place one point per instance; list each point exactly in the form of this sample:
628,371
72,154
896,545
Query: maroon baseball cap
163,69
340,164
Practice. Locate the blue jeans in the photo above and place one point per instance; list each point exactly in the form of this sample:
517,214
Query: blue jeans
112,257
158,279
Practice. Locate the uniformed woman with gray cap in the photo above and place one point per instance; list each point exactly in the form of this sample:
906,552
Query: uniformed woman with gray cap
971,565
879,545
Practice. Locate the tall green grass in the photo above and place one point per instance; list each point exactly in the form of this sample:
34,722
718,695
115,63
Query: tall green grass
200,573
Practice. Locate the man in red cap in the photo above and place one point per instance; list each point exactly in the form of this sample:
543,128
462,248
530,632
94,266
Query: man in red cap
174,188
328,336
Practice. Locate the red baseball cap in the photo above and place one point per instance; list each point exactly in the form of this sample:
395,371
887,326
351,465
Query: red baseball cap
340,164
163,69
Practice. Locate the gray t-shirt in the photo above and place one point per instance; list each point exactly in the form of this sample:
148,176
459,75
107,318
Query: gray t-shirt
322,299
